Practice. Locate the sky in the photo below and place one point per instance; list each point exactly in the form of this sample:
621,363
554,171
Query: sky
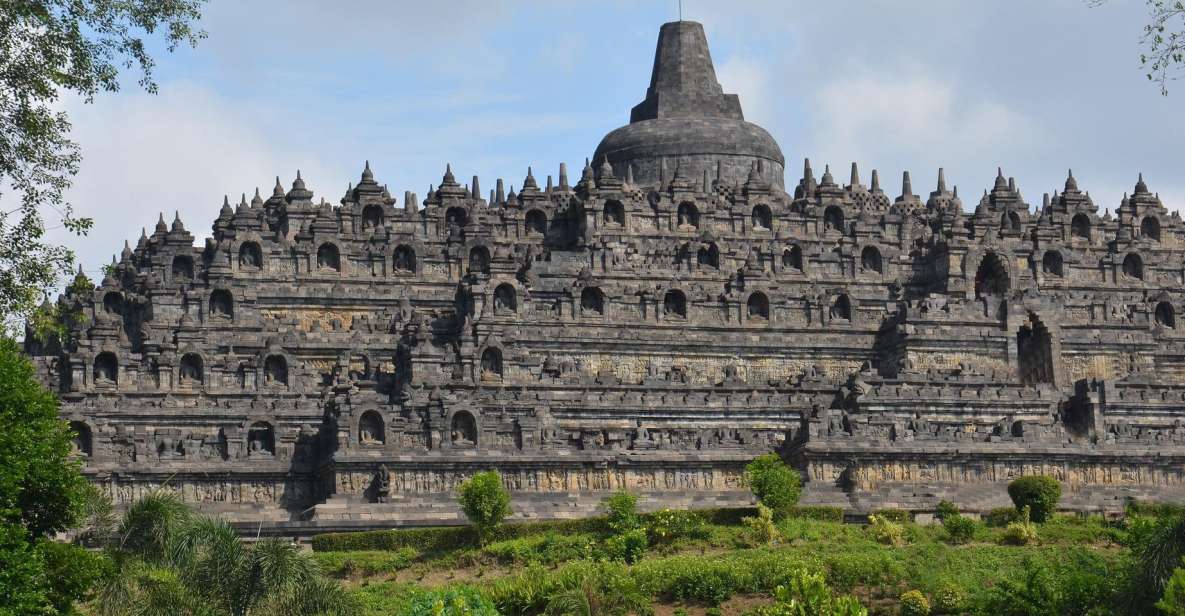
1034,86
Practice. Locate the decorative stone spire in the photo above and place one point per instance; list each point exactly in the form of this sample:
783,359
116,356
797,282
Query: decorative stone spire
941,180
178,227
854,184
1001,183
586,174
564,176
1141,187
448,179
367,174
828,180
500,192
683,82
278,191
224,212
550,185
629,174
256,201
1071,183
475,187
529,183
127,251
876,182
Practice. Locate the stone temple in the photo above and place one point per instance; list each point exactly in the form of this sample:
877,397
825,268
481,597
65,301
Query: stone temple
653,326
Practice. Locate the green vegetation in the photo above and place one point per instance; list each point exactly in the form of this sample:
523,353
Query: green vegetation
1037,492
485,502
773,482
914,603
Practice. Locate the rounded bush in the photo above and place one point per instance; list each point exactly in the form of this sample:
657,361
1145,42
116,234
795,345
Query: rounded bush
629,546
485,501
945,508
949,599
961,529
459,601
1039,493
773,482
914,603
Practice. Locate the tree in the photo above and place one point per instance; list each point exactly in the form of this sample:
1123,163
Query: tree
42,493
49,48
485,501
1163,56
774,483
171,561
1037,492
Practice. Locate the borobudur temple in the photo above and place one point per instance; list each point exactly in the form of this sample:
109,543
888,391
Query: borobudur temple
653,325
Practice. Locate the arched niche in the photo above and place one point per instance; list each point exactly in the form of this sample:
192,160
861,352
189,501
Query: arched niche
463,431
1080,227
833,219
792,258
1052,264
841,308
758,306
328,257
687,215
371,428
261,439
674,304
275,371
182,268
991,277
404,259
1165,315
592,301
1133,266
113,303
505,299
250,255
190,370
614,213
1150,228
870,260
491,364
81,439
106,369
1034,352
536,223
762,218
456,216
708,256
479,260
372,217
222,304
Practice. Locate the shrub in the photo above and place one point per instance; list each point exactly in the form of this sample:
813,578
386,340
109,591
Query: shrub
1021,532
485,501
900,516
345,564
621,510
960,528
885,531
600,589
914,603
1153,509
762,527
457,601
807,594
669,525
1039,493
774,483
949,599
945,508
1173,601
548,548
1001,516
628,546
439,539
705,584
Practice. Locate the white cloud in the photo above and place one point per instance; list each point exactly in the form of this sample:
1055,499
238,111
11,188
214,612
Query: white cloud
178,151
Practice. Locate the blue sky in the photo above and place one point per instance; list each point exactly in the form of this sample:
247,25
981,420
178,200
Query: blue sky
1034,86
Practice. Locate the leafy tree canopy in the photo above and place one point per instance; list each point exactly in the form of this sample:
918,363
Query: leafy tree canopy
47,48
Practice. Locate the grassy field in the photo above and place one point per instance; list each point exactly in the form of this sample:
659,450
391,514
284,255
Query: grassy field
713,563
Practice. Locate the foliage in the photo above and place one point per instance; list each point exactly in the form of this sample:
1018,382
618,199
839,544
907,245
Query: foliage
816,512
667,526
548,548
628,546
1084,587
1001,517
1154,509
945,508
621,511
1039,493
807,594
1172,603
900,516
42,493
456,601
1157,546
48,48
368,563
885,531
1164,39
485,501
774,483
1020,532
914,603
169,560
599,591
949,598
762,527
960,528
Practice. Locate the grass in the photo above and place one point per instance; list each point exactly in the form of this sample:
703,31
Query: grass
518,573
